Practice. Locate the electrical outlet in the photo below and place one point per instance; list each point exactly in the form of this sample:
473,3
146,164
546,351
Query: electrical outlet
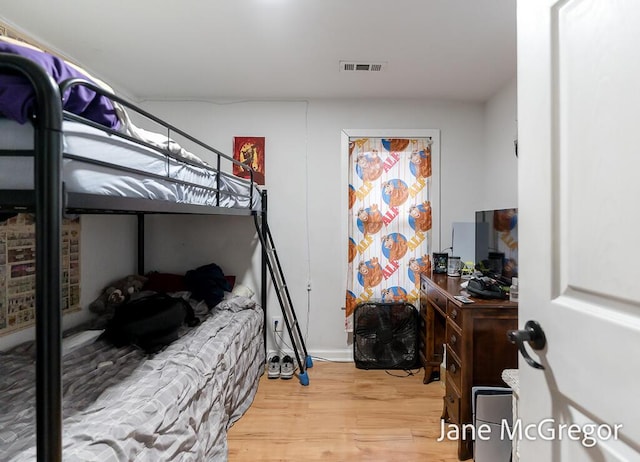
276,323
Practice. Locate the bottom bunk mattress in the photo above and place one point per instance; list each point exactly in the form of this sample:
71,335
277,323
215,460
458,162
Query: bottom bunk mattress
120,405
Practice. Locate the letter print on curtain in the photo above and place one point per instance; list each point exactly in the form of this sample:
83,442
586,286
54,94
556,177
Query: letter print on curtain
389,219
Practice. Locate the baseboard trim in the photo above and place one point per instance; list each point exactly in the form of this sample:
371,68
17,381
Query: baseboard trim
345,356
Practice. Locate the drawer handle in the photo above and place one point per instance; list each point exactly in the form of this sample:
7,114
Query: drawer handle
452,368
453,339
454,314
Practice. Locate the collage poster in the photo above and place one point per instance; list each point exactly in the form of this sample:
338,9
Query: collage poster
17,271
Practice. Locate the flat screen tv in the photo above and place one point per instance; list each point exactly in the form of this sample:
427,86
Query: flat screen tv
497,242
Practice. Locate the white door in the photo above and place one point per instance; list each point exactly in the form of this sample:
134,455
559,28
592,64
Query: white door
579,227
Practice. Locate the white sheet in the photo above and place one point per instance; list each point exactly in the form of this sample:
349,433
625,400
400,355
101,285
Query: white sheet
16,172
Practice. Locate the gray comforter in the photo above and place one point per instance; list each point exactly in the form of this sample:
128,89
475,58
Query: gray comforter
122,406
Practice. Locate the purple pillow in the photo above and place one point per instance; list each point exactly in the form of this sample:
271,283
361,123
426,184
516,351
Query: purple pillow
17,98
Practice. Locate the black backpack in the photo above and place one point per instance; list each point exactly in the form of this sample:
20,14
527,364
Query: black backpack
149,322
486,288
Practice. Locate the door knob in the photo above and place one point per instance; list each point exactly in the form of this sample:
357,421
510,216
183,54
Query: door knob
534,336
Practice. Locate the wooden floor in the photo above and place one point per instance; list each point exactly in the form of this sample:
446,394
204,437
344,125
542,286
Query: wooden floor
344,414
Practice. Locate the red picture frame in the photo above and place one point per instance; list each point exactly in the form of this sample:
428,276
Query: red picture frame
250,151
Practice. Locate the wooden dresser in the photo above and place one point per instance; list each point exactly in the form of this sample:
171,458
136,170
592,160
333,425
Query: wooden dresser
477,348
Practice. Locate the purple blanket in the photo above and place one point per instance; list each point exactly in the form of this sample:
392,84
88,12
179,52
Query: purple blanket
17,98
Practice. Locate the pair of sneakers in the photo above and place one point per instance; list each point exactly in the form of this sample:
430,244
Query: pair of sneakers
278,368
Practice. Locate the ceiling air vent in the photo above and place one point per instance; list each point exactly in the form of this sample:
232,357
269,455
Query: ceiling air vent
357,66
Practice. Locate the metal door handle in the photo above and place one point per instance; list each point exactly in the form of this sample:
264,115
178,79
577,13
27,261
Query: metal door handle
532,334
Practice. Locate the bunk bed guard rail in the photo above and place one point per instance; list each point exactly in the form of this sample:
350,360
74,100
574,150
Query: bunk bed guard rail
69,83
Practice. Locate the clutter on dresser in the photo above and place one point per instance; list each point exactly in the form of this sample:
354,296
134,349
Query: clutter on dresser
486,287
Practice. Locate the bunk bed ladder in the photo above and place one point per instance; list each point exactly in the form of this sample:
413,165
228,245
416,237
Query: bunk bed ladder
290,319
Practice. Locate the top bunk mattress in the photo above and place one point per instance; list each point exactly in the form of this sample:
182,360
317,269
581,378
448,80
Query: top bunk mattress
98,163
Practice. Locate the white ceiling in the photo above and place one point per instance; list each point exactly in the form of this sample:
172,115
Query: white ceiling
281,49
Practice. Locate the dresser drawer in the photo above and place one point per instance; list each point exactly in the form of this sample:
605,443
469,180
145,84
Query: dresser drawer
454,338
454,371
435,297
455,314
452,404
423,305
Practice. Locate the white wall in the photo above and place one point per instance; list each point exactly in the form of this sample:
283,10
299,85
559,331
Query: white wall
500,179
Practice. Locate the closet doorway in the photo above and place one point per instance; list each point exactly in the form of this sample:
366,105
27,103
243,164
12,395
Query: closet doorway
391,207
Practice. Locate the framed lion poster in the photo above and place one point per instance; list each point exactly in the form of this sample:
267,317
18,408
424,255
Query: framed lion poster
250,151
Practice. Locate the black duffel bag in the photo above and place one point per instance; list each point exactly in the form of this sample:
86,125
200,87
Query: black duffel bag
149,322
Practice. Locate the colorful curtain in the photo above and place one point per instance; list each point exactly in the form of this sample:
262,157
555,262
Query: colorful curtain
389,220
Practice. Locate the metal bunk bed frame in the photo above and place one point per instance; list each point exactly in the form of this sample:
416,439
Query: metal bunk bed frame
50,202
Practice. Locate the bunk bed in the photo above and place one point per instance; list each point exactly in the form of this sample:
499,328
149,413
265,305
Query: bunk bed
67,161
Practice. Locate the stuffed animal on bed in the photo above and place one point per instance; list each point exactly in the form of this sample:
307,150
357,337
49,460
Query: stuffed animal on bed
116,294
